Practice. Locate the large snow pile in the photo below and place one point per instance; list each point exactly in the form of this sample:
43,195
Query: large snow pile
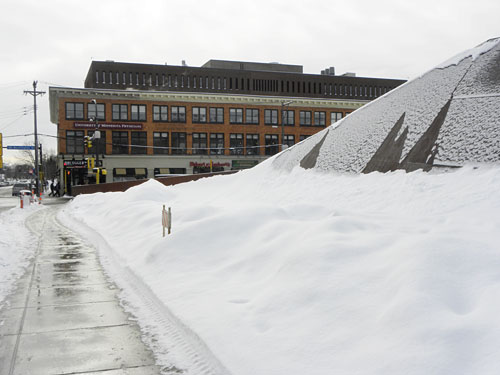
470,131
17,246
312,273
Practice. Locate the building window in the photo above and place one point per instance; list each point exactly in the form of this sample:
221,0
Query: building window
252,116
178,143
160,113
98,144
91,111
319,118
138,143
199,114
271,116
252,147
271,144
236,144
120,112
302,137
138,112
74,141
305,118
289,140
199,144
288,117
335,116
74,111
217,115
216,143
120,142
236,115
160,143
178,114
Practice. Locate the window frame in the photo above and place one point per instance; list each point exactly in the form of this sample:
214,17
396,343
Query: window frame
74,111
122,112
158,147
219,115
136,114
254,116
201,118
271,148
236,115
120,149
271,117
288,118
202,146
177,148
322,119
236,144
75,141
303,118
253,149
217,150
101,114
142,138
176,115
160,113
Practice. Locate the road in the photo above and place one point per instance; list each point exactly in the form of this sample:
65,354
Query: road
65,317
6,199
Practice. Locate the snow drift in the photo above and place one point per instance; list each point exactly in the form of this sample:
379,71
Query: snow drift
310,273
448,116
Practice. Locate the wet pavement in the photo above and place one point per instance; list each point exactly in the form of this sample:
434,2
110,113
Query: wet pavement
65,317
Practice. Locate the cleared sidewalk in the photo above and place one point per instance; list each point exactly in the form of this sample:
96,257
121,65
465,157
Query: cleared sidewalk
65,317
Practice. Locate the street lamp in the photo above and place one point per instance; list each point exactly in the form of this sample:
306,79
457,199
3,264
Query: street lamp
96,138
283,105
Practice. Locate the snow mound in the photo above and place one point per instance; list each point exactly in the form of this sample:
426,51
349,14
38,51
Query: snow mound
448,116
320,273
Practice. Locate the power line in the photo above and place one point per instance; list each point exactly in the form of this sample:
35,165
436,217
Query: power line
35,93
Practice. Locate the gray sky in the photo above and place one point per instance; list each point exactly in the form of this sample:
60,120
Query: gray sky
54,41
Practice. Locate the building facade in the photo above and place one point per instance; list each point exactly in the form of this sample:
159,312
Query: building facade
156,120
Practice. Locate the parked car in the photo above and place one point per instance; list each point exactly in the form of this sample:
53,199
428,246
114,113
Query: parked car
16,189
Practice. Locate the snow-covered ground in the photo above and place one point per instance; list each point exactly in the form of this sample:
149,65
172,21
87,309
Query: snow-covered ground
303,272
17,243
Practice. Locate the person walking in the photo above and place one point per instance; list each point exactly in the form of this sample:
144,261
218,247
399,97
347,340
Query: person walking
52,193
58,188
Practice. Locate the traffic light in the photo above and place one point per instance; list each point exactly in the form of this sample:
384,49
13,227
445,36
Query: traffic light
87,141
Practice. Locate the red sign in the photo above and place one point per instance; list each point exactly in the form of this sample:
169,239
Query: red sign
207,165
107,125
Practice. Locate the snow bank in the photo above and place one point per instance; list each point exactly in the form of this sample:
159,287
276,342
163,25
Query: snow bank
470,132
312,273
17,246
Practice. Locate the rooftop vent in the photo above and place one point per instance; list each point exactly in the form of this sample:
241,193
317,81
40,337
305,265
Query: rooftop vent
328,71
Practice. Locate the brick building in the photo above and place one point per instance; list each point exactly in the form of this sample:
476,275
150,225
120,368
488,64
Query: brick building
163,119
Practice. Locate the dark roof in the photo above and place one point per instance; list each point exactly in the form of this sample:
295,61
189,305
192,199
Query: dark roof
216,77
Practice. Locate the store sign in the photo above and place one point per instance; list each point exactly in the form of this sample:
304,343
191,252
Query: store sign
207,165
105,125
243,164
75,163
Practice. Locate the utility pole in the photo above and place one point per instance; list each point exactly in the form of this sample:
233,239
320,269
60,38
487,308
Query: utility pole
37,171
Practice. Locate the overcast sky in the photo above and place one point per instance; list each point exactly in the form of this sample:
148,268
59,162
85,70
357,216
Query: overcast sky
54,41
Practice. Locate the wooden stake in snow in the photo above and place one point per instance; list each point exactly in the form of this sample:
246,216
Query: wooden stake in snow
166,219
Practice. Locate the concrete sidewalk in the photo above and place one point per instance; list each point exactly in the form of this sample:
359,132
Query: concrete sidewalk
64,317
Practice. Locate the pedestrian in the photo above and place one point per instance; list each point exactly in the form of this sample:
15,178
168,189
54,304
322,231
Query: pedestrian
58,187
52,189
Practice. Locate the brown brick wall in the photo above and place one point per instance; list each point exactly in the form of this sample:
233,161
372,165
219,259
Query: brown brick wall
188,127
124,185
